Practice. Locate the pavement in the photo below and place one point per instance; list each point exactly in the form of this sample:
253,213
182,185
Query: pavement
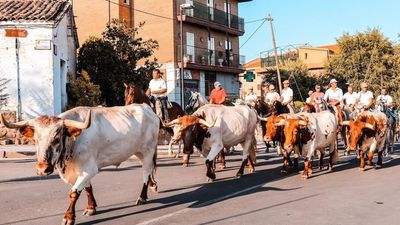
344,196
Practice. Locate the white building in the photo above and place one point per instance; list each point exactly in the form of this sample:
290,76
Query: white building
38,45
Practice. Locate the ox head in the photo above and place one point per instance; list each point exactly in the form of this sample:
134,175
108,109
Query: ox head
274,127
52,136
356,131
293,127
192,130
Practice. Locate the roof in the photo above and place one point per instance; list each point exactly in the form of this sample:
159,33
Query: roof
33,10
255,63
333,48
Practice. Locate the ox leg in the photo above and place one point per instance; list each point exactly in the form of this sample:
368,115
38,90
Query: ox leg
379,162
241,169
186,159
211,160
210,170
321,160
222,163
307,168
148,178
370,157
170,151
91,206
362,159
286,163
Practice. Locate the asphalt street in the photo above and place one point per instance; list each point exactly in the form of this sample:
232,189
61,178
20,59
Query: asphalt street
343,196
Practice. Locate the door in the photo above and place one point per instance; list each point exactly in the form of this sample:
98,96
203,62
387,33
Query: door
210,5
227,8
190,46
211,50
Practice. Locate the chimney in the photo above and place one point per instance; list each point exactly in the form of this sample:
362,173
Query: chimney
125,11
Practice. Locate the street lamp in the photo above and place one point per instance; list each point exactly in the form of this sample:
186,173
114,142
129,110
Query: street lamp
183,7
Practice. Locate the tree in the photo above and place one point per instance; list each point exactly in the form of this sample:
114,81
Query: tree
83,92
113,59
3,95
300,79
367,57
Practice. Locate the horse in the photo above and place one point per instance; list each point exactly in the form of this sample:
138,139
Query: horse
390,136
196,100
134,94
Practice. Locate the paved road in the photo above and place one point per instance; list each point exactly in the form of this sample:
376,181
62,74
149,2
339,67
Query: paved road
344,196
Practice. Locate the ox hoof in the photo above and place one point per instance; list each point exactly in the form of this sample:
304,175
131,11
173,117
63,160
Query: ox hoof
89,212
185,165
154,188
209,180
141,201
177,156
305,177
361,169
251,170
377,167
222,167
67,222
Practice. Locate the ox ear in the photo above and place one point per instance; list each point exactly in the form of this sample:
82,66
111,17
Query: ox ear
73,133
27,131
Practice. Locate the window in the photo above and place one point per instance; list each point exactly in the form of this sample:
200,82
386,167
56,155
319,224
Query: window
305,55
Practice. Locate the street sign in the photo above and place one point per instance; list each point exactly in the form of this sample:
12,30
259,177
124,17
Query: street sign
16,32
249,76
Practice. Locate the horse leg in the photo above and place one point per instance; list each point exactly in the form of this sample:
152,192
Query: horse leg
170,152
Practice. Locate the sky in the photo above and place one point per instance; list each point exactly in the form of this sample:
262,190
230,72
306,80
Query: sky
315,22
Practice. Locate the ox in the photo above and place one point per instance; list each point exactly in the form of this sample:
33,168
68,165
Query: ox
368,133
311,132
78,150
230,126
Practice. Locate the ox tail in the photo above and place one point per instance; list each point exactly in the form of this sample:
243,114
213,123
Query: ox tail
252,150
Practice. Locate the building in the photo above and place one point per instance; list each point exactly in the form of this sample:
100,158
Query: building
315,58
211,33
38,49
92,16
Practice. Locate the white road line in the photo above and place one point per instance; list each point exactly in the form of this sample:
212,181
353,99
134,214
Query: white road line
209,202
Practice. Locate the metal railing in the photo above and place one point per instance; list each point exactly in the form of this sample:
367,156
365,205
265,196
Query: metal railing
204,56
212,14
269,60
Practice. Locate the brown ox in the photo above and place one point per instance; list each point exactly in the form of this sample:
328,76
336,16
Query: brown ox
367,133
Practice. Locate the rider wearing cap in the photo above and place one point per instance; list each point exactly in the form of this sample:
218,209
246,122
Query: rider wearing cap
365,97
287,96
349,99
251,97
334,96
158,90
383,98
317,97
218,94
272,96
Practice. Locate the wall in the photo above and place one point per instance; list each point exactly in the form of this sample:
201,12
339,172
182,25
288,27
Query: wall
316,57
92,17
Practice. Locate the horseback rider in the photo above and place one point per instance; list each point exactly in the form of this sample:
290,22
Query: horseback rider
287,96
333,97
349,100
383,98
271,95
317,97
365,98
157,91
251,97
218,94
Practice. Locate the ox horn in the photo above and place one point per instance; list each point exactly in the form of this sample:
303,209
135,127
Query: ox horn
303,122
280,123
369,126
172,123
126,85
79,125
345,123
205,123
15,125
261,118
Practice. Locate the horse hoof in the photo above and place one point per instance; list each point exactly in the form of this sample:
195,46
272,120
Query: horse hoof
154,188
67,222
89,212
141,201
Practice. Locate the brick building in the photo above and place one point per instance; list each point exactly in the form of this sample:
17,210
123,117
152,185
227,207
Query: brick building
211,33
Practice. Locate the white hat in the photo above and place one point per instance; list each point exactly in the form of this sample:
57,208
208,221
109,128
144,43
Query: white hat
286,82
333,81
216,84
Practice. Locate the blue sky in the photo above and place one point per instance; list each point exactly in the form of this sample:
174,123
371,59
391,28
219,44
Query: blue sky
316,22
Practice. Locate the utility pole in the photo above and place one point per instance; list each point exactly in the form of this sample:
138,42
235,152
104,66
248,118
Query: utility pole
276,53
19,107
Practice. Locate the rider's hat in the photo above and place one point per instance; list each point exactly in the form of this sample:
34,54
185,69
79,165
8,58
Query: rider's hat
333,81
286,82
216,84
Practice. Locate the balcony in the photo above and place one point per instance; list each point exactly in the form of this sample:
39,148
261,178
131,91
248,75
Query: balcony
269,59
211,17
211,60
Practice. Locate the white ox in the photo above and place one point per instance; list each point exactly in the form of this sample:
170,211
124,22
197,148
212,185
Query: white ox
78,150
311,132
213,127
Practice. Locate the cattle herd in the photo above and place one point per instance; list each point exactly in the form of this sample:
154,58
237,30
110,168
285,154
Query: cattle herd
81,141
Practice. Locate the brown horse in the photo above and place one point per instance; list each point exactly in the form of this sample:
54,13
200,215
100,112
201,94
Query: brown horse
134,94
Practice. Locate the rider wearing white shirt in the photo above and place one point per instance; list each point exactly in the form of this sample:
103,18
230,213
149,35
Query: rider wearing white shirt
384,98
334,96
158,89
287,96
350,97
272,95
251,97
365,98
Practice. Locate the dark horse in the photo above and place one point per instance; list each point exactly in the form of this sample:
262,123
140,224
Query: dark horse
134,94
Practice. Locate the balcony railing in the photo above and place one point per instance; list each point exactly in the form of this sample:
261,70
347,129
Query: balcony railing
207,57
269,61
212,14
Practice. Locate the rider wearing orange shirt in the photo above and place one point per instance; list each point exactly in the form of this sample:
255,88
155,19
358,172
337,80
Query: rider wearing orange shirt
218,94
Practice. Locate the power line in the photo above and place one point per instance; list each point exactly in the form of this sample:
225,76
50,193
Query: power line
253,21
138,10
248,39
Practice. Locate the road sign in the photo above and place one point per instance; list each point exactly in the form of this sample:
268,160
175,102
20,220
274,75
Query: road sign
249,76
16,32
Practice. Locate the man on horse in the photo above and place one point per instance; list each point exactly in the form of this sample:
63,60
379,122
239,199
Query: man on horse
287,96
365,98
158,90
251,97
316,98
333,97
218,94
272,95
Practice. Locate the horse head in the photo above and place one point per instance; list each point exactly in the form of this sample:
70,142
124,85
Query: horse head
134,94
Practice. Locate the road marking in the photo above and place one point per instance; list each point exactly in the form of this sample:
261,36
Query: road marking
209,202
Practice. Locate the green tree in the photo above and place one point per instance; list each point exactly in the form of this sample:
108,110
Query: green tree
367,57
3,95
113,59
83,92
297,73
